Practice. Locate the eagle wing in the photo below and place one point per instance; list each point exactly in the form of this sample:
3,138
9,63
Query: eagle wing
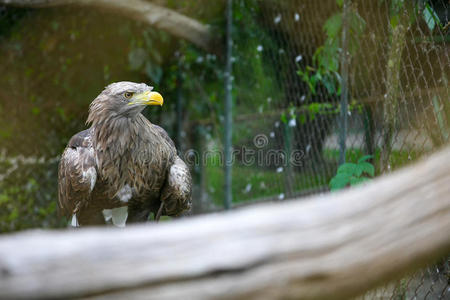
164,134
77,174
176,193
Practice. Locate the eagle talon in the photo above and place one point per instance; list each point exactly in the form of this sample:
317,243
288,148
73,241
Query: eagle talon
159,213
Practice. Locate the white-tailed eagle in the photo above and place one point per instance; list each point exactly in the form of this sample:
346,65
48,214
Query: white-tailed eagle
122,160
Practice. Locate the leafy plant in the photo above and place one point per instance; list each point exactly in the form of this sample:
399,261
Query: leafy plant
28,197
351,174
325,69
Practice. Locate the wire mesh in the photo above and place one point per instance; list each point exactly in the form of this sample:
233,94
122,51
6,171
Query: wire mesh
399,106
398,91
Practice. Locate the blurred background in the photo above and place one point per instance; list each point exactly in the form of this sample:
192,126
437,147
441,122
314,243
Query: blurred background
313,84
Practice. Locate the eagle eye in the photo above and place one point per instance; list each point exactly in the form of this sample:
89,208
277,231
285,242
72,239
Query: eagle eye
128,95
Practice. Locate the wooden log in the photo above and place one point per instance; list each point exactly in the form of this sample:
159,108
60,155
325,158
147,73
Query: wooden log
332,246
157,16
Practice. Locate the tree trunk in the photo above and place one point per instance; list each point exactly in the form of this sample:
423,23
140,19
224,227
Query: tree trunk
393,86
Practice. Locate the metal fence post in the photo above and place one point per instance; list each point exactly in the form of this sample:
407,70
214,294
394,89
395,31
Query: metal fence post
288,174
344,85
228,110
179,108
199,169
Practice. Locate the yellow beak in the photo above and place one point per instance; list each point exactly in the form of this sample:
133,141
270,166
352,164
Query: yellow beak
147,98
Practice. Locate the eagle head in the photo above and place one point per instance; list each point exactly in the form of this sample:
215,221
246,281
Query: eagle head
123,99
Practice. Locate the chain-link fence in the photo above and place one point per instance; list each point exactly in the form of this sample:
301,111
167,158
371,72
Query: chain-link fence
395,90
342,79
429,283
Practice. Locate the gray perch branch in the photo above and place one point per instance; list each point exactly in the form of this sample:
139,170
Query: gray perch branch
152,14
333,246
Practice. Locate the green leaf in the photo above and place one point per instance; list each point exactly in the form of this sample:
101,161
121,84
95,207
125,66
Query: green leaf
430,17
394,21
314,107
329,85
358,170
347,168
339,181
35,110
314,78
14,214
284,118
302,119
367,168
364,158
357,24
305,77
333,25
340,3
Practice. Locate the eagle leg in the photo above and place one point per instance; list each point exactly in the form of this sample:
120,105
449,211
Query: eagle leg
159,213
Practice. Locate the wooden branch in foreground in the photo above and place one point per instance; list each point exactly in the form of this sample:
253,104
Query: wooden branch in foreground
333,246
152,14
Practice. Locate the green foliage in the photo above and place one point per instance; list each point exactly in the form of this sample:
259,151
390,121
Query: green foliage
351,174
28,199
420,9
430,16
396,9
325,69
253,78
398,158
253,84
312,110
